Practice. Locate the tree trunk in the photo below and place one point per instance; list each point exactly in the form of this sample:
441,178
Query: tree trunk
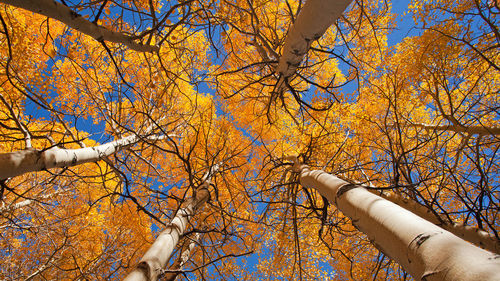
474,235
155,259
423,249
30,160
311,23
186,251
64,14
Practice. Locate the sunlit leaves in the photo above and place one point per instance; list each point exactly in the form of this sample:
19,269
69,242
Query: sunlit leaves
391,117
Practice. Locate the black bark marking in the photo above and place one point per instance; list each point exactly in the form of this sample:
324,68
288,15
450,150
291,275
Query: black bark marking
495,257
145,268
100,154
74,14
75,158
343,189
420,239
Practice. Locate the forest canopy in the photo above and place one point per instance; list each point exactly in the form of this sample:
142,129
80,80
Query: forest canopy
216,129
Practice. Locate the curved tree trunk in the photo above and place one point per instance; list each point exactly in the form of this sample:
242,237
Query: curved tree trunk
423,249
62,13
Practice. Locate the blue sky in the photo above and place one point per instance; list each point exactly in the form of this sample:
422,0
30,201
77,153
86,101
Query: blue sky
404,22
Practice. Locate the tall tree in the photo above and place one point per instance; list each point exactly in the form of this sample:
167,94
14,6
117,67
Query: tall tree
169,89
155,259
425,250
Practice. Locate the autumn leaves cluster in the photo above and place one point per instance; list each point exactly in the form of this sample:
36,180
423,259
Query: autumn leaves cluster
418,119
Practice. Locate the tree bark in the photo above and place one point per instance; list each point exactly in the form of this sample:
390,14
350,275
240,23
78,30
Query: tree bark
151,266
423,249
186,251
311,23
474,235
155,259
64,14
5,209
30,160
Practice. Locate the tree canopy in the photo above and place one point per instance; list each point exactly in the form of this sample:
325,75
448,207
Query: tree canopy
169,98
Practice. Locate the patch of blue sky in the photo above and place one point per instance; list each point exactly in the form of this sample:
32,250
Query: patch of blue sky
405,25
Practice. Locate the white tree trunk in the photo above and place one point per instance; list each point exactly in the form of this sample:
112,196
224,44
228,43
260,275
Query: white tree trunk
64,14
155,259
474,235
311,23
178,266
188,251
5,209
29,160
423,249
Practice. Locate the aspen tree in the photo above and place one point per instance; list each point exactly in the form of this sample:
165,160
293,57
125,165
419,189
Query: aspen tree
64,14
183,258
30,160
474,235
151,265
311,23
423,249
